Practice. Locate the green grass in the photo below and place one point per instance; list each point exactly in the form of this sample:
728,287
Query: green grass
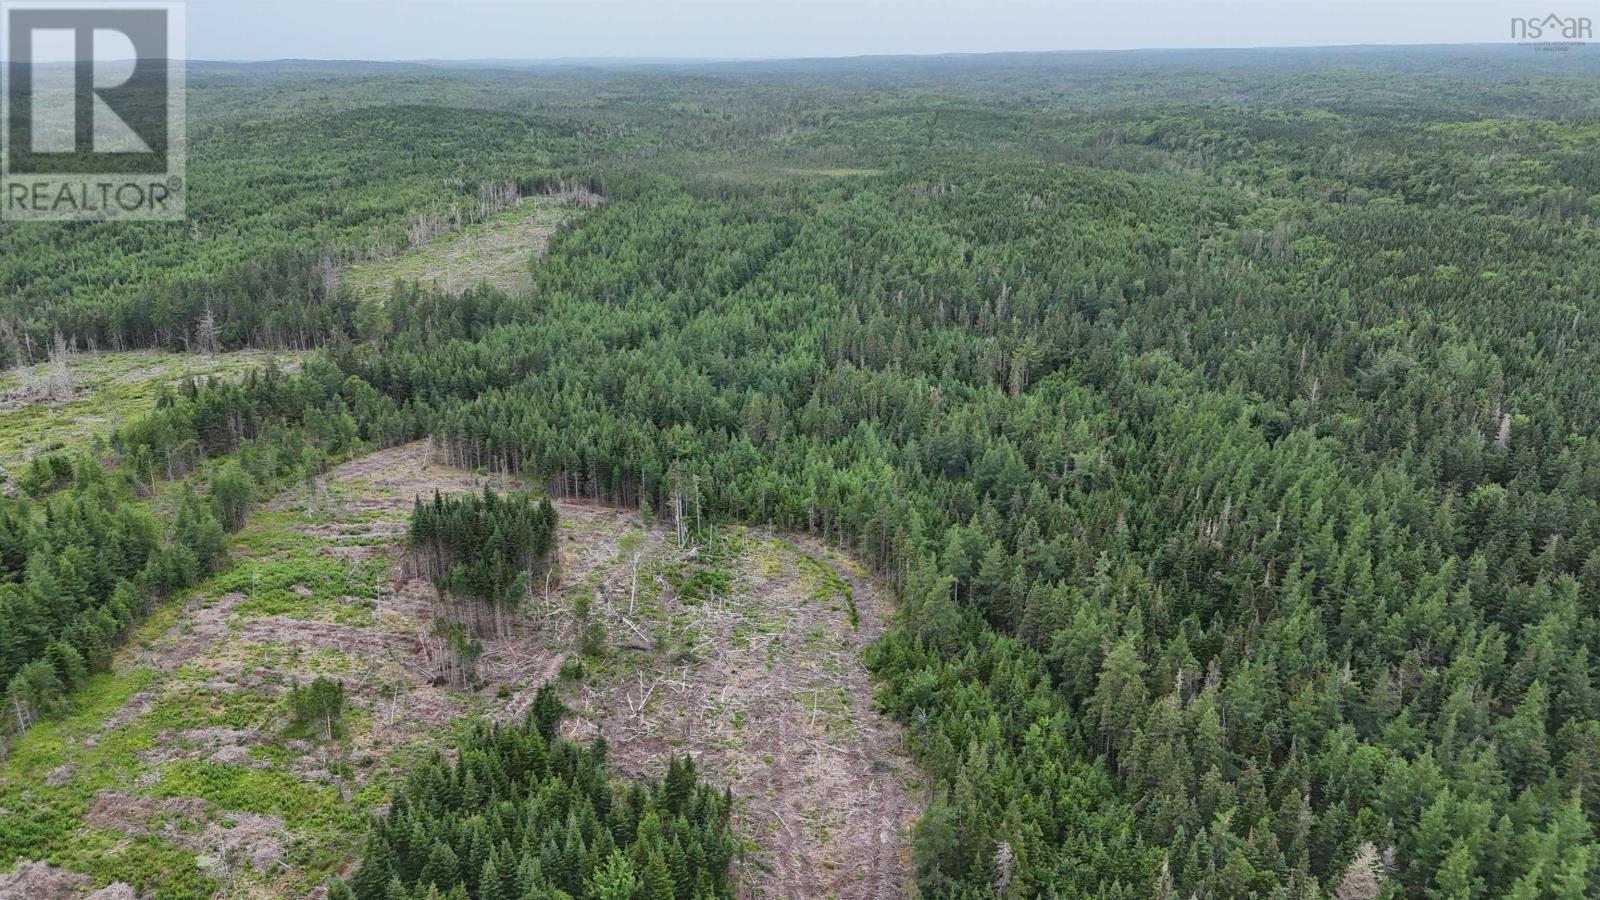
183,709
264,791
39,821
109,389
274,587
156,869
499,251
825,586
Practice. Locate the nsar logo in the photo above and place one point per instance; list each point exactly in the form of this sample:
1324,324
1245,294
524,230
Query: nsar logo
1552,27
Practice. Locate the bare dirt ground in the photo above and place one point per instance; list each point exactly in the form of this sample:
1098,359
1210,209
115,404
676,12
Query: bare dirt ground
759,679
183,821
205,620
37,881
763,685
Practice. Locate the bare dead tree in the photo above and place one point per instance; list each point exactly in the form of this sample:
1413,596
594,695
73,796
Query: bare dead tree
58,379
1363,878
1502,438
328,273
207,333
496,196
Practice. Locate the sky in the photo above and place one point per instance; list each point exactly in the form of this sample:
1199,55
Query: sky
756,29
776,29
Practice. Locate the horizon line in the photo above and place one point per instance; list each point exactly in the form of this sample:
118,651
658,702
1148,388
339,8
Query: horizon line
646,60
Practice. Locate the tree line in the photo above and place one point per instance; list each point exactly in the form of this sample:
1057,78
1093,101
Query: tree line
523,814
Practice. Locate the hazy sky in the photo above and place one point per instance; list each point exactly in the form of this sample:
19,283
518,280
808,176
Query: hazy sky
482,29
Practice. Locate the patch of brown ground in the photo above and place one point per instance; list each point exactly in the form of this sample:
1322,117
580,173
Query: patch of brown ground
249,838
137,705
365,642
224,745
38,881
205,621
764,687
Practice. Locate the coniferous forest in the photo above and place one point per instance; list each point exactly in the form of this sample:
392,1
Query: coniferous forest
525,813
1224,424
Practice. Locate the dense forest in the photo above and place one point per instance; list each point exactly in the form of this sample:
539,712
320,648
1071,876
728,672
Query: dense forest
525,813
483,554
1223,421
